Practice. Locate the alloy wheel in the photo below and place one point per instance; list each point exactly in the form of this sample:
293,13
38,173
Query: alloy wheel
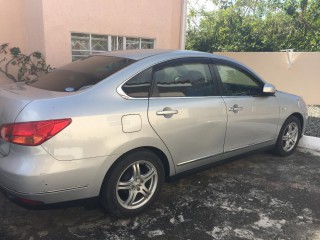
136,184
290,136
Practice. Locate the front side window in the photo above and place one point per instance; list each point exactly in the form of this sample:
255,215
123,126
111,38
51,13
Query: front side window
139,85
183,80
80,74
237,83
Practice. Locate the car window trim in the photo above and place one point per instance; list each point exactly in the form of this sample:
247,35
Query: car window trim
122,93
126,96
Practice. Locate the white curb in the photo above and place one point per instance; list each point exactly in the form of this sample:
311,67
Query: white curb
311,143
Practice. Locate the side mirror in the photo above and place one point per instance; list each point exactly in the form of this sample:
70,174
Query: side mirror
269,89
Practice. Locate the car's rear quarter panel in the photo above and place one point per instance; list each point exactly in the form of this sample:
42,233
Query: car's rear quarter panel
96,128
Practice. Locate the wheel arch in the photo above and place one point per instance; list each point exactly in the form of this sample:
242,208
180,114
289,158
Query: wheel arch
164,160
301,119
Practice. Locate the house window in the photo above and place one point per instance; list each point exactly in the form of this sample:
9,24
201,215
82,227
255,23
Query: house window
80,44
117,43
132,43
85,44
99,43
147,43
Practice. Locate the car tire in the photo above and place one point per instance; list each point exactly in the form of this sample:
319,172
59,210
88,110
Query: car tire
289,137
133,184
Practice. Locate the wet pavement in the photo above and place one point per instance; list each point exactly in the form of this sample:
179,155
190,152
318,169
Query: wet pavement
256,197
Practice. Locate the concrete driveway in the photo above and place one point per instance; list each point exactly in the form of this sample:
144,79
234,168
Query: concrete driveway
257,197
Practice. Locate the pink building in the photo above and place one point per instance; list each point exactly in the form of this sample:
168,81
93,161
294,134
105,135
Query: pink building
65,30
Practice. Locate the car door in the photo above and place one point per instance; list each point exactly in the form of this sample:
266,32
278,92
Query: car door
252,115
186,113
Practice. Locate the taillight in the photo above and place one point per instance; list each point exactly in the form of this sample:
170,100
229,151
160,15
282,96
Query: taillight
32,133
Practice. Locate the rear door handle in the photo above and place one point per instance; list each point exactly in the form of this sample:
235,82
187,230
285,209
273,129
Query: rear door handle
167,111
235,108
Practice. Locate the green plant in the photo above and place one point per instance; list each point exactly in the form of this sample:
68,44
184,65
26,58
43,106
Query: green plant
20,67
254,26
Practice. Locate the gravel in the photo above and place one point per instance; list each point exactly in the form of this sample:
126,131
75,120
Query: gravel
313,122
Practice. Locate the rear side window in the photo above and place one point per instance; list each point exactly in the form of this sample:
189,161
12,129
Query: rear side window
183,80
80,74
139,85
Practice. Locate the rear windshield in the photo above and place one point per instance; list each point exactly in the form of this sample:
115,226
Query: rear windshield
80,74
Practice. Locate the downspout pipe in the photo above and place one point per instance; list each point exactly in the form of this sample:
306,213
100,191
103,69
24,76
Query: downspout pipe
183,24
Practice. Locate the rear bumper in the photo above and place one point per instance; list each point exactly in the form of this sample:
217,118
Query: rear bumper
47,197
32,173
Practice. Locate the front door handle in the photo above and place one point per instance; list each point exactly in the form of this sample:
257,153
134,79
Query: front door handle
235,108
167,111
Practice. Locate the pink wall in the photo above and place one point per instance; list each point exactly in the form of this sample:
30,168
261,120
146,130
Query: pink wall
33,25
46,25
140,18
11,24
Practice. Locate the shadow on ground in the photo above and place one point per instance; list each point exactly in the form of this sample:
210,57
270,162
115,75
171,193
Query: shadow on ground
257,197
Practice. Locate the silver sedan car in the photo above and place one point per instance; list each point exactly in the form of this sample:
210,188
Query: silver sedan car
118,125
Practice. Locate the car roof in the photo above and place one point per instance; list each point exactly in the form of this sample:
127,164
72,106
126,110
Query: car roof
145,53
140,54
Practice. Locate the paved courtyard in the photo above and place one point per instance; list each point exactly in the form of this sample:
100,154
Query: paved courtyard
256,197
